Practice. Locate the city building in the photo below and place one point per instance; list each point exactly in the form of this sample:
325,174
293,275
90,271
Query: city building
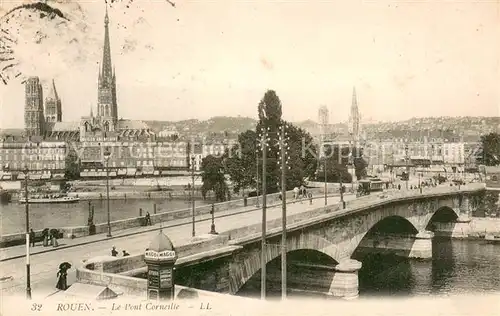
44,159
170,132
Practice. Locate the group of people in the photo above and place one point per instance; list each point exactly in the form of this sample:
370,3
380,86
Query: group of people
114,252
49,239
299,192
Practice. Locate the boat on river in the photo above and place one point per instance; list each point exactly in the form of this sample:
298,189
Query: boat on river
492,239
49,199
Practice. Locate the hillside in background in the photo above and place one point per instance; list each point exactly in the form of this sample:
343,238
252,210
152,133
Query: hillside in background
450,128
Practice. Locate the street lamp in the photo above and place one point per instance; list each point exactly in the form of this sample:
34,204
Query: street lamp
28,285
107,155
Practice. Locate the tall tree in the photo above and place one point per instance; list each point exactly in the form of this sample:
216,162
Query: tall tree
72,165
489,153
270,111
213,177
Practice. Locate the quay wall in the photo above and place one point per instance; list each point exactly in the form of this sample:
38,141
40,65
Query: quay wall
81,231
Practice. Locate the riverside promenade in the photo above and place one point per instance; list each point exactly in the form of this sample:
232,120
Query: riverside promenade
45,260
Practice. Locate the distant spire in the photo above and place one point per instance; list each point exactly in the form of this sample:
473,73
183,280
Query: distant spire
53,92
106,56
91,111
354,99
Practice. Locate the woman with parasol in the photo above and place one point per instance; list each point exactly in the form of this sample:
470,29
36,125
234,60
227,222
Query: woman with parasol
62,282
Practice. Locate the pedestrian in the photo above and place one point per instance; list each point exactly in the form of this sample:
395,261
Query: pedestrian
295,193
125,254
114,253
54,241
310,198
62,282
32,237
302,191
148,219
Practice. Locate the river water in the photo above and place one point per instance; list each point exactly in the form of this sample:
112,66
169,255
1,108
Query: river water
457,267
12,215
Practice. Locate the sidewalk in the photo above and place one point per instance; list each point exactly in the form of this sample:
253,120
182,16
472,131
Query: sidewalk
16,252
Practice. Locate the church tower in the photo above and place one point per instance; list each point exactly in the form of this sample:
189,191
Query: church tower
53,108
354,118
107,110
33,108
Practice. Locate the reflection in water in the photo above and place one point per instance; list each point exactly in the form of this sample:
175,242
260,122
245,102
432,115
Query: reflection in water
457,267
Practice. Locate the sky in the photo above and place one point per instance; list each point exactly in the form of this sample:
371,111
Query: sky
201,59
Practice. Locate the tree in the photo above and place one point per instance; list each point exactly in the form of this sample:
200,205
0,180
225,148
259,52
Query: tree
240,161
489,153
360,164
72,165
301,155
336,165
270,111
491,202
213,177
302,163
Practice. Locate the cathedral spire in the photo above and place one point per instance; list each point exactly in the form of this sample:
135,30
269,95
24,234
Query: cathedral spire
53,92
354,106
354,118
106,57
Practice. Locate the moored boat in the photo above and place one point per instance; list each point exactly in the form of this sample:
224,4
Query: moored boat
50,199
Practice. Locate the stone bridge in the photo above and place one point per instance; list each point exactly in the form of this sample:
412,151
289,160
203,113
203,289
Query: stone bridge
320,249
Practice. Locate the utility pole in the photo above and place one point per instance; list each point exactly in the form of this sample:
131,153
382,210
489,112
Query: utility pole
192,195
264,202
340,176
107,155
257,184
283,208
407,167
28,281
326,188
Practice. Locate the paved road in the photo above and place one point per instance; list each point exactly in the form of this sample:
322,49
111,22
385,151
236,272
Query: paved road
44,265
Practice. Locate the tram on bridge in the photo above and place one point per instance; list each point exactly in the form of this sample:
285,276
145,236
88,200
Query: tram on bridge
366,186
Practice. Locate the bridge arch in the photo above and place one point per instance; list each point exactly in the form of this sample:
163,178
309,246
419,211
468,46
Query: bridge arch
444,214
250,264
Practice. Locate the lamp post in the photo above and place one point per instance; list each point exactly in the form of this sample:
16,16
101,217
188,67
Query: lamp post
212,227
27,209
107,155
192,196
